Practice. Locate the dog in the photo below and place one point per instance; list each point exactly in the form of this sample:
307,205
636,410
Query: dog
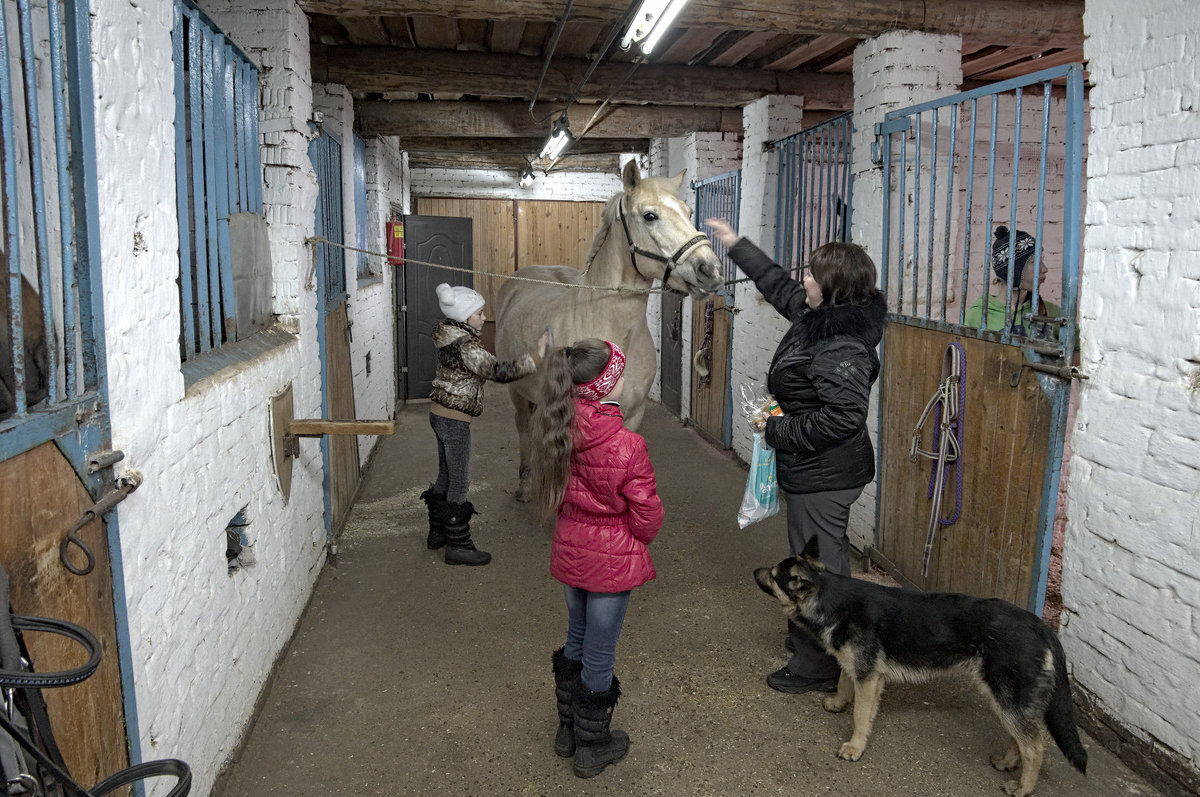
879,634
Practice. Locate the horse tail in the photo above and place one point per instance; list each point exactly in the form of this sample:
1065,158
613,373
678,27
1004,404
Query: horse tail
550,432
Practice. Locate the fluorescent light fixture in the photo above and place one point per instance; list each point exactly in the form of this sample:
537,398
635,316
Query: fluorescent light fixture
560,137
527,176
651,22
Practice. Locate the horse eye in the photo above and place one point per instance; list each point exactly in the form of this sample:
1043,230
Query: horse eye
650,215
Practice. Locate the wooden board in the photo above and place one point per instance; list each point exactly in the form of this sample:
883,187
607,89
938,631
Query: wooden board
991,549
343,449
40,499
709,410
556,233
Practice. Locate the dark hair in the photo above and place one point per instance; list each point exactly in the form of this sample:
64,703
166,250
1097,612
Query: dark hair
554,416
844,271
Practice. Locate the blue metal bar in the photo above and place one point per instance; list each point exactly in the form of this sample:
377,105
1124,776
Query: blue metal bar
1010,307
226,187
196,79
970,199
847,176
933,151
1072,210
40,226
1041,201
242,126
211,189
991,198
916,217
900,219
65,219
182,216
992,89
13,246
950,161
885,249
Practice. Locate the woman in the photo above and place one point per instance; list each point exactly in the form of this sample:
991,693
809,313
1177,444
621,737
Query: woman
821,375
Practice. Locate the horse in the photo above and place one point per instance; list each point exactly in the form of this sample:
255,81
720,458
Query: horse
645,234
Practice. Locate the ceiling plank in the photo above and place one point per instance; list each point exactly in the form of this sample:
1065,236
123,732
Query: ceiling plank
520,146
435,33
367,70
819,48
501,162
1059,23
506,35
742,48
1068,56
366,30
504,119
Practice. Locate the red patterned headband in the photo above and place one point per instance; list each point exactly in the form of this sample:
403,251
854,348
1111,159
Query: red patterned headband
603,384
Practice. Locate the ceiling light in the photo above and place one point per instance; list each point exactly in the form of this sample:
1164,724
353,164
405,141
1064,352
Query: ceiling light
651,22
559,139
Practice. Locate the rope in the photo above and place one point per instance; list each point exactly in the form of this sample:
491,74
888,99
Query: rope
320,239
948,400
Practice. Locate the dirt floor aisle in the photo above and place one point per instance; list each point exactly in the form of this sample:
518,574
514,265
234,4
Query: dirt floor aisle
410,677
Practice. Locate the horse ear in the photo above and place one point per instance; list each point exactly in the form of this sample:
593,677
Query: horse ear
679,180
631,176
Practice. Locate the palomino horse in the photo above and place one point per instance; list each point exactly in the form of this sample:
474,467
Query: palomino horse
646,234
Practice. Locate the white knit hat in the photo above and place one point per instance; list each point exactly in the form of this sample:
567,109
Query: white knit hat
458,302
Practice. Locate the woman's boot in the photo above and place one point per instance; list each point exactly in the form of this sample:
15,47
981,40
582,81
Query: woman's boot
435,503
566,681
459,548
595,745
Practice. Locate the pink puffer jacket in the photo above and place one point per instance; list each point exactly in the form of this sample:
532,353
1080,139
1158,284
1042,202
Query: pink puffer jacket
611,510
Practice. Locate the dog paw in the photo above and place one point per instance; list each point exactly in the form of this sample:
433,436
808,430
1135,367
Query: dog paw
1013,789
834,705
1005,762
850,752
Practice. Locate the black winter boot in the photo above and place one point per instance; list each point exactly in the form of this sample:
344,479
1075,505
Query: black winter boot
595,746
459,548
566,681
435,502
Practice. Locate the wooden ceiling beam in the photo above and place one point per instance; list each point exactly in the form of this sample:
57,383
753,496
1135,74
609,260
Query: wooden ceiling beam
502,162
506,119
366,70
528,147
1059,23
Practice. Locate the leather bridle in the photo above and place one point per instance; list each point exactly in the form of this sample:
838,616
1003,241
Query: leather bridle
671,262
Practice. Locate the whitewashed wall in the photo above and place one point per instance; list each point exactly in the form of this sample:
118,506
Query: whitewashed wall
489,183
1131,576
203,641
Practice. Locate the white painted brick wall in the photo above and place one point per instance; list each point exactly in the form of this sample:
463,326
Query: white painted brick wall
758,327
1131,567
490,183
202,642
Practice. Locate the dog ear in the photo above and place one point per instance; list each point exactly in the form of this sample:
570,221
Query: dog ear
812,552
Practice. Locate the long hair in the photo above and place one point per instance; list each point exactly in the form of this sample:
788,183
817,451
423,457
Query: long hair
554,417
845,273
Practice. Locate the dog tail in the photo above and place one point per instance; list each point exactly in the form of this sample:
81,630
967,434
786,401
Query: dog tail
1060,713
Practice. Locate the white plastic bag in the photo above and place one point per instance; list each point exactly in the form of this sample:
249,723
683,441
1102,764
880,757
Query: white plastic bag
761,498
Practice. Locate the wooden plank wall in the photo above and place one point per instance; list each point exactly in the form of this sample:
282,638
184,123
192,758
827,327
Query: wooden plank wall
990,550
551,233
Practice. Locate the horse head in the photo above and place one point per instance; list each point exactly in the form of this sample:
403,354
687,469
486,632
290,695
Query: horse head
662,241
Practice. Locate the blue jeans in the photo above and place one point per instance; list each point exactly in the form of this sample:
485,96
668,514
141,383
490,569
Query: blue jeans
594,621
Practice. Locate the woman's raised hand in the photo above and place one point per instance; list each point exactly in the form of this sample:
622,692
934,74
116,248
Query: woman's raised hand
722,231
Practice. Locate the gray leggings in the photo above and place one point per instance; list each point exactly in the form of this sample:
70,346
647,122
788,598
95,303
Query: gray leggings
454,457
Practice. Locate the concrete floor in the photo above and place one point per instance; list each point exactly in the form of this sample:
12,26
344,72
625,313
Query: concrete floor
409,677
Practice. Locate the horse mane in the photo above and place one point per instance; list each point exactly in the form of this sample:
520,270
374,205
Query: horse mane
610,213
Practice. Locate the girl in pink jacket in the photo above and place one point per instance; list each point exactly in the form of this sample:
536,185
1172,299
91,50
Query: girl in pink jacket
596,476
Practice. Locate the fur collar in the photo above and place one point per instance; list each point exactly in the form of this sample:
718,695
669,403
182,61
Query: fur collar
862,321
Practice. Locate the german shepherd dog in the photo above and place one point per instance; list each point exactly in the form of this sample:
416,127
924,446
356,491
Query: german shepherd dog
880,633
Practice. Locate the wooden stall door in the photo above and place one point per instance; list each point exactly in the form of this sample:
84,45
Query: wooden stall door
711,337
671,354
343,448
992,549
40,498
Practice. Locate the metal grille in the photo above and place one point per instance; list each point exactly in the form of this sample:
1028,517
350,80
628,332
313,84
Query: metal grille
217,169
48,347
957,169
325,151
814,190
720,197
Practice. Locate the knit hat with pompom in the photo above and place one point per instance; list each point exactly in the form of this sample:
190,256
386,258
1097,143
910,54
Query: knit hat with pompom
1023,245
458,302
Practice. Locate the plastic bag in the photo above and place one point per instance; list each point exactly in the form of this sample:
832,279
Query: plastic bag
761,498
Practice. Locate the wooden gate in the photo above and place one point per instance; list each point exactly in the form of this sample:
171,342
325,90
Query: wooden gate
950,185
54,428
339,452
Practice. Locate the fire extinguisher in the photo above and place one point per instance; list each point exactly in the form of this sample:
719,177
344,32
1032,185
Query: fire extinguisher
395,243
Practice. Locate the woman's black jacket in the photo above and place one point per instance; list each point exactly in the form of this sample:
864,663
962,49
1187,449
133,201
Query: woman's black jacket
821,375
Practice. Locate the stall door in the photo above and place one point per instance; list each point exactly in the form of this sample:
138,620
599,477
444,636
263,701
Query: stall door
55,440
958,169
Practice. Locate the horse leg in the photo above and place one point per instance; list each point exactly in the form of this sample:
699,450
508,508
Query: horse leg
522,410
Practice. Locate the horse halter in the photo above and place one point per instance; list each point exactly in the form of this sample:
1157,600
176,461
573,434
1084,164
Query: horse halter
671,261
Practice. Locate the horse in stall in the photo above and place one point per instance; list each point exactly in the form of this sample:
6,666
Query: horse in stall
646,234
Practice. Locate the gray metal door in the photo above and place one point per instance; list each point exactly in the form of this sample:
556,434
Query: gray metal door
429,242
671,357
